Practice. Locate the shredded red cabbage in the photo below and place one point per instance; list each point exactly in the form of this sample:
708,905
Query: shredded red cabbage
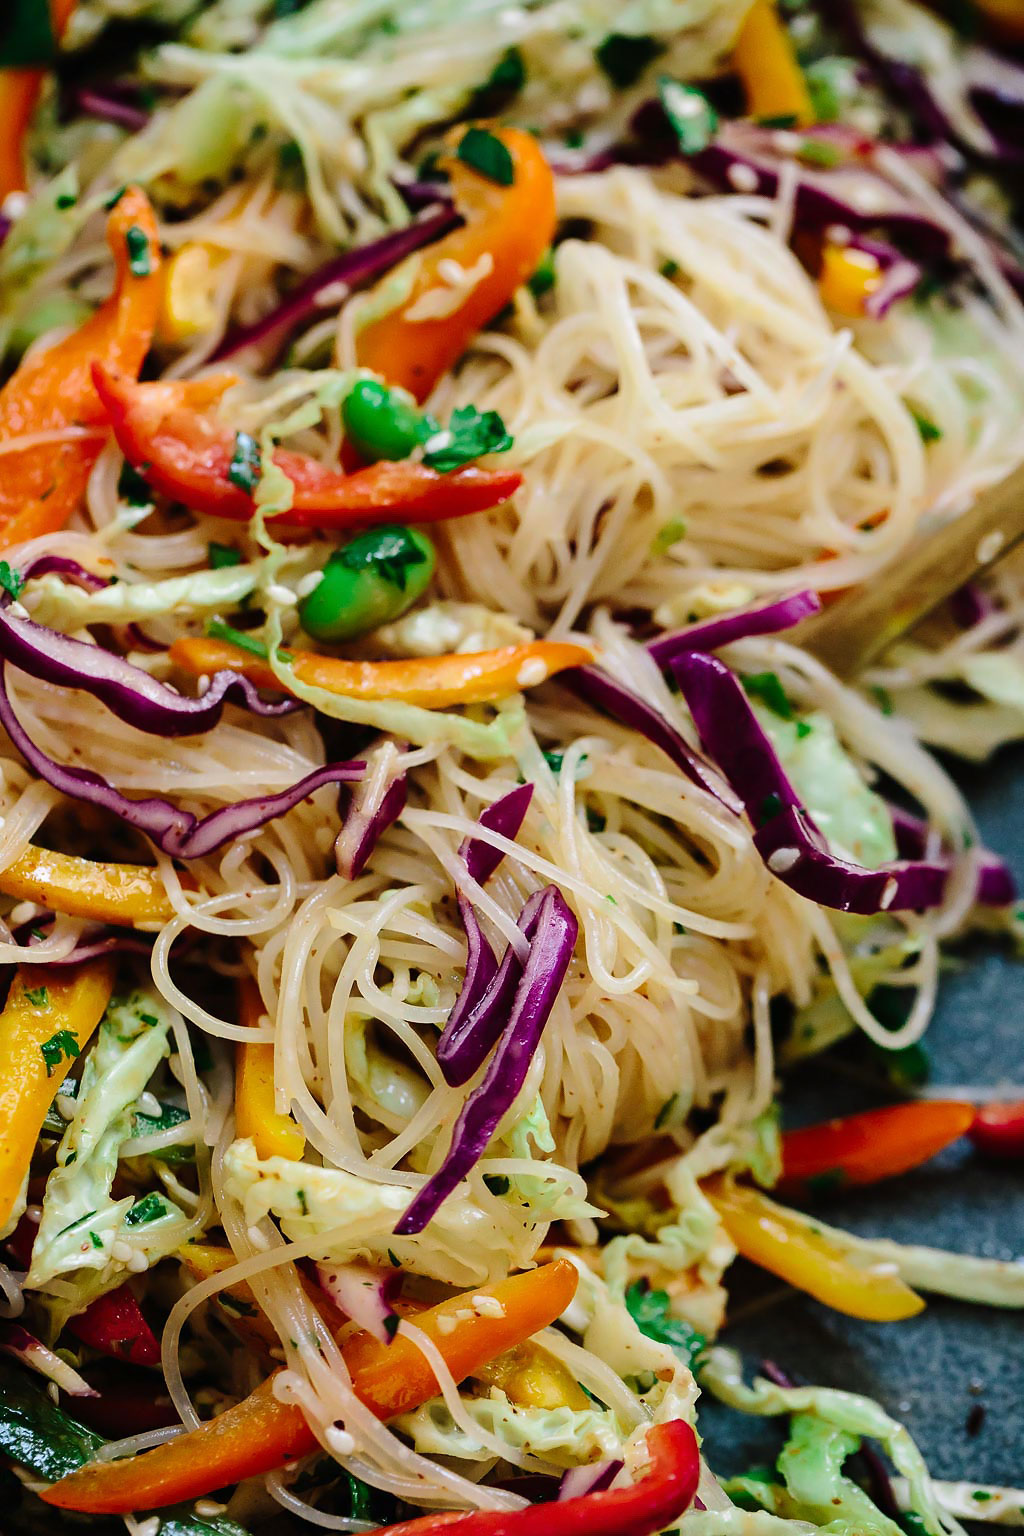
615,699
350,270
487,1105
767,618
592,1478
92,944
505,817
111,103
374,805
996,885
787,839
970,604
364,1292
24,1346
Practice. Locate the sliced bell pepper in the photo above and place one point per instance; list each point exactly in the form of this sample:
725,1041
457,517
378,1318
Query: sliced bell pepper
261,1433
109,893
861,1149
649,1505
434,682
114,1325
506,232
196,459
52,391
766,63
49,1015
787,1244
274,1134
19,94
998,1130
848,278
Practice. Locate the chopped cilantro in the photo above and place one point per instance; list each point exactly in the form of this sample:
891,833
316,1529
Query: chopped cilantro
669,268
771,806
497,1183
11,580
981,1495
222,555
505,81
624,57
670,533
487,155
300,1195
929,432
94,1237
385,552
245,468
818,152
665,1111
650,1310
883,698
115,197
803,729
543,280
137,242
39,997
469,434
391,1322
64,201
150,1208
691,115
396,1261
132,488
781,120
236,1304
827,1182
60,1047
767,687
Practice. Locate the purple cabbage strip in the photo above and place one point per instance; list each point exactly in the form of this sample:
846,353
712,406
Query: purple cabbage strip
787,839
369,813
595,1478
970,604
60,565
111,105
775,1374
486,1106
618,701
128,692
352,268
767,618
364,1292
505,817
93,946
996,885
474,1030
177,832
24,1346
900,275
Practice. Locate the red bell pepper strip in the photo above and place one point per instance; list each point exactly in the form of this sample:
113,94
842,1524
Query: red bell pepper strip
188,457
998,1130
114,1325
646,1506
261,1433
52,391
861,1149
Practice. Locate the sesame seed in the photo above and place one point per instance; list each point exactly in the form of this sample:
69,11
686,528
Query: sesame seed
783,859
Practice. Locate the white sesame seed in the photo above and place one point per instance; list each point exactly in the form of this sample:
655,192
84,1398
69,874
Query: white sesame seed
149,1527
14,205
24,912
532,672
309,583
742,178
281,594
446,1324
783,859
17,610
989,546
209,1509
138,1263
889,893
121,1251
488,1306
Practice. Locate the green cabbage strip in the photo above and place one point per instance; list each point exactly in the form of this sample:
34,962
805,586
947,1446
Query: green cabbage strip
61,606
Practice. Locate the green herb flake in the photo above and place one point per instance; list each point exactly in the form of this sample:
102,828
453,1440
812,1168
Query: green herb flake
94,1237
300,1195
670,533
218,630
650,1310
220,556
235,1304
670,268
150,1208
60,1047
771,806
245,468
387,552
818,152
665,1111
927,429
391,1324
137,242
497,1183
803,729
981,1495
132,488
624,57
487,155
469,434
39,997
11,580
65,200
396,1261
883,698
767,687
543,279
827,1182
693,118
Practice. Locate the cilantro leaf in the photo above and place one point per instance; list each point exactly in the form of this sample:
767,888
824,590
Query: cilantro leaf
39,997
469,434
767,687
693,118
150,1208
222,555
11,580
60,1047
650,1311
487,155
624,57
246,465
386,552
927,429
132,488
137,242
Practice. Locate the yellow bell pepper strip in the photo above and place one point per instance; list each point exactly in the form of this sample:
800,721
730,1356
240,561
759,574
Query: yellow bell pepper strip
433,682
509,223
766,63
49,1015
190,282
123,894
532,1377
19,95
274,1134
847,278
53,392
786,1243
861,1149
260,1433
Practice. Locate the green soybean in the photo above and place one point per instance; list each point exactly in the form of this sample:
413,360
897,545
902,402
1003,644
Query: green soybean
368,582
383,423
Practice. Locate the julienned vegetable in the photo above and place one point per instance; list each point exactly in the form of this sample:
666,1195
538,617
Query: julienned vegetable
256,1113
53,392
114,1325
508,227
374,804
648,1505
45,1024
434,682
108,893
166,433
998,1130
368,582
788,1245
766,62
861,1149
19,95
553,928
766,618
262,1433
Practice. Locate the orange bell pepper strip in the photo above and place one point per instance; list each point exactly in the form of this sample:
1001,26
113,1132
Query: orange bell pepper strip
261,1433
192,458
49,1015
787,1244
123,894
766,63
52,391
433,682
848,278
861,1149
256,1117
19,94
507,231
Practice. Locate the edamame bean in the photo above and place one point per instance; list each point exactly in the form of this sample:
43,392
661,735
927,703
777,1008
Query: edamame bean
368,582
383,423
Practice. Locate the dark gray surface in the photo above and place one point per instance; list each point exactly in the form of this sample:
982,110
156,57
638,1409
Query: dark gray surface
933,1369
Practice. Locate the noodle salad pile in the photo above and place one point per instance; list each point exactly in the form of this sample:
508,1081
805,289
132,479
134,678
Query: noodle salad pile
424,839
